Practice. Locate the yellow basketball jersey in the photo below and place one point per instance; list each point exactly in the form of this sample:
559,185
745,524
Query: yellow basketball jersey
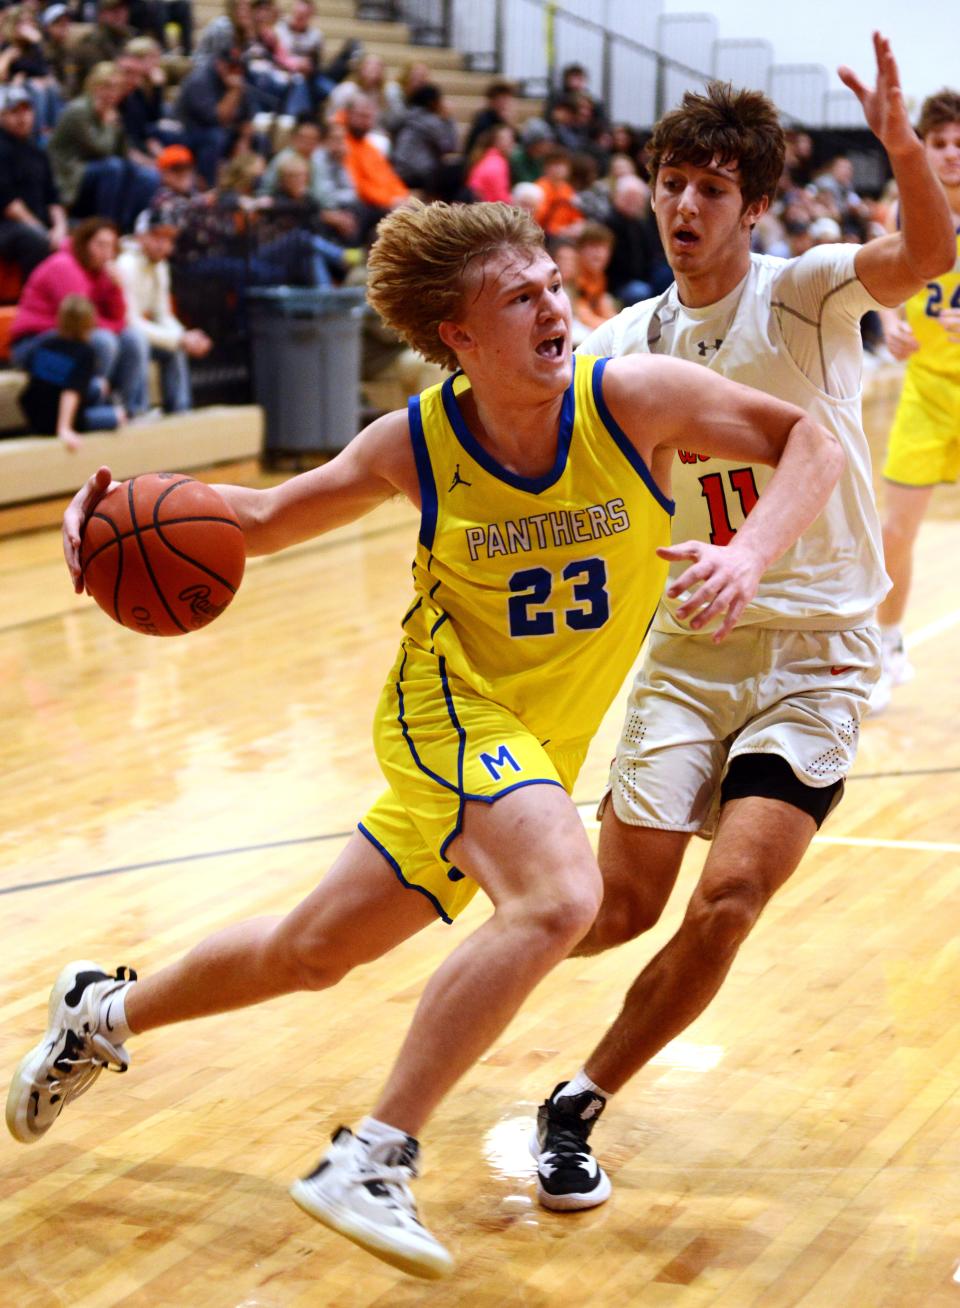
937,352
537,592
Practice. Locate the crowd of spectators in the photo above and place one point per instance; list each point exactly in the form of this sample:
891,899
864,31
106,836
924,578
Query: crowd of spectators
258,157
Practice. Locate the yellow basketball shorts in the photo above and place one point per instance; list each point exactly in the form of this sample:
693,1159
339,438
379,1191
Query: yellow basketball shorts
441,744
924,444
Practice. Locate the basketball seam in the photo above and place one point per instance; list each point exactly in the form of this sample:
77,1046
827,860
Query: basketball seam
145,556
201,567
121,536
96,554
158,563
157,526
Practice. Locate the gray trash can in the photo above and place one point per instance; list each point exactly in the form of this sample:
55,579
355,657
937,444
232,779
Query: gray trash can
306,365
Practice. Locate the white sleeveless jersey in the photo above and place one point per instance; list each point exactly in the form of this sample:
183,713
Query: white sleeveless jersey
791,329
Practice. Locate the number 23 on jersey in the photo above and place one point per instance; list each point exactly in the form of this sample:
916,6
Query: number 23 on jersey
583,603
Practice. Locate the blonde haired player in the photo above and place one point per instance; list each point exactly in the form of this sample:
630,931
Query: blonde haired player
543,487
923,448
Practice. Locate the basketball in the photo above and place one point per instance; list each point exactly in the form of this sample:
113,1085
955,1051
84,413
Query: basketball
163,554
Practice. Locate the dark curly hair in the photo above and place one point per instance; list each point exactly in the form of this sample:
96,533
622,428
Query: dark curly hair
938,110
741,129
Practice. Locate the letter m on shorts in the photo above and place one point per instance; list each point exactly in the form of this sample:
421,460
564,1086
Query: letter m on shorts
496,766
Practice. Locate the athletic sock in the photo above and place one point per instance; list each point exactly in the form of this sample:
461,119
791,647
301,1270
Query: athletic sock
891,635
380,1138
113,1015
580,1084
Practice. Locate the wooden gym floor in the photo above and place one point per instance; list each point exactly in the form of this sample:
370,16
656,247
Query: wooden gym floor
798,1146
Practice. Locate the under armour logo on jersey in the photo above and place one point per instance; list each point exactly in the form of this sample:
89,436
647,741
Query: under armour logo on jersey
704,346
458,480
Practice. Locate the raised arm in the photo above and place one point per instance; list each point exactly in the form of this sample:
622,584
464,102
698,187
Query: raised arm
376,465
666,404
894,267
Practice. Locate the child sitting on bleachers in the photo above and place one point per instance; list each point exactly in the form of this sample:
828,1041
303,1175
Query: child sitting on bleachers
63,396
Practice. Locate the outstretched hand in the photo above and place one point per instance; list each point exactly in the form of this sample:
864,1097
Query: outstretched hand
883,107
723,581
74,520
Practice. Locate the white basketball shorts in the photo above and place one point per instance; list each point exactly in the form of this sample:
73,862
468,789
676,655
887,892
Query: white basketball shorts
696,706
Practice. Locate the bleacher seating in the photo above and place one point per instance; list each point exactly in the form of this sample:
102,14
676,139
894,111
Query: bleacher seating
32,468
39,467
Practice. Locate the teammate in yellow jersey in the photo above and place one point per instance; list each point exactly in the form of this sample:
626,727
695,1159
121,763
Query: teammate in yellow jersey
924,444
544,495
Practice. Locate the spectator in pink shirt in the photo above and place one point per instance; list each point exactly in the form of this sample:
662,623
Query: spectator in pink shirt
489,174
84,266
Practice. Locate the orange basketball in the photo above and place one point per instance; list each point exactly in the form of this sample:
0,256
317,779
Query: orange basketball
163,554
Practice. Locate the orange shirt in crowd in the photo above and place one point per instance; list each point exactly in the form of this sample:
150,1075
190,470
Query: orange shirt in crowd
558,209
376,182
594,304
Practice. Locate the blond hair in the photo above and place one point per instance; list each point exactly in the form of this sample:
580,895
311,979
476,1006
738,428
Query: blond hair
76,317
418,264
293,163
99,75
141,46
241,173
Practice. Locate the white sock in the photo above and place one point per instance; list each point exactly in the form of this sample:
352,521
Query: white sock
891,635
580,1083
380,1137
113,1015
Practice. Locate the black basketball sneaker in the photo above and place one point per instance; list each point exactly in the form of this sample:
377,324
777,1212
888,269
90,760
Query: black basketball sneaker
568,1175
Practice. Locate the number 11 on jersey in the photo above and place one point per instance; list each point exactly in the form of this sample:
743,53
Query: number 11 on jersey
714,492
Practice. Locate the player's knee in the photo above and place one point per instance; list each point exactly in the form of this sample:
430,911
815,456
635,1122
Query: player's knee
725,914
559,922
899,532
310,962
624,915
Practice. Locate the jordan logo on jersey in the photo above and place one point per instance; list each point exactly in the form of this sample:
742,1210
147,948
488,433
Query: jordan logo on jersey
457,479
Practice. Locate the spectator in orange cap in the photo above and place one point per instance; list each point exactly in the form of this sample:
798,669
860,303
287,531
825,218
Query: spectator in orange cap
178,180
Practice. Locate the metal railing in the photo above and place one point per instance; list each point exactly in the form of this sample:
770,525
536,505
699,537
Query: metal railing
529,42
743,62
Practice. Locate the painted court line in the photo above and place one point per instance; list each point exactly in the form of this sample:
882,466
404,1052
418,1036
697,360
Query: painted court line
865,842
933,629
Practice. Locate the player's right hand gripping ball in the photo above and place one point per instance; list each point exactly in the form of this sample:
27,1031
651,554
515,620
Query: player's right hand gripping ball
163,554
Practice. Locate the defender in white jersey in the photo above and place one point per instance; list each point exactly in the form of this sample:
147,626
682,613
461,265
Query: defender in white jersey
748,741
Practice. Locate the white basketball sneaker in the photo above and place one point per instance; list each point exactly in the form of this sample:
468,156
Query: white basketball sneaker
366,1198
73,1053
